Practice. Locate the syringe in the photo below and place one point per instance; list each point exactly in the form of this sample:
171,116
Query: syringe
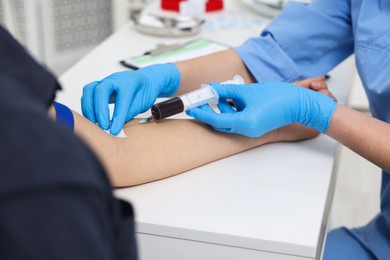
206,94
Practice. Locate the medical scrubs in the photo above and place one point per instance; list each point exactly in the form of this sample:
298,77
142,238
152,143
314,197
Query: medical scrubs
308,41
55,199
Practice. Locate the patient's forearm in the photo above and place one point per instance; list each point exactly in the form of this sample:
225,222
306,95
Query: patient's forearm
158,150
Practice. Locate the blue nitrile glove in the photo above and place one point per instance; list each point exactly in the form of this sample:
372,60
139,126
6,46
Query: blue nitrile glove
263,107
136,91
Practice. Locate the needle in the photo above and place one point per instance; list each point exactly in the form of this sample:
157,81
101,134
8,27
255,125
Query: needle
145,120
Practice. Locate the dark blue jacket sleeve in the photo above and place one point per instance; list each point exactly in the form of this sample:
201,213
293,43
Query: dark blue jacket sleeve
56,201
56,223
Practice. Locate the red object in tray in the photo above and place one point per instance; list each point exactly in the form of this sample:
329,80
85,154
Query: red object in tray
174,5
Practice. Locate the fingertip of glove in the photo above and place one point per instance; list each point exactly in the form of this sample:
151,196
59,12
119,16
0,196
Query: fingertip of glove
214,84
114,131
115,126
189,113
103,125
217,86
195,112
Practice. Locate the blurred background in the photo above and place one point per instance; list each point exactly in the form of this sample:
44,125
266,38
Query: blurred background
60,32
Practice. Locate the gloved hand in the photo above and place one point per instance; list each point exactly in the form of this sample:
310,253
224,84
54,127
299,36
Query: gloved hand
136,91
263,107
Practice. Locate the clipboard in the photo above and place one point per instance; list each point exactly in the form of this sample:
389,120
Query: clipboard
174,53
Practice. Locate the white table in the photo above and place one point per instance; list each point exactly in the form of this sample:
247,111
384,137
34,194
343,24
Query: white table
357,98
271,202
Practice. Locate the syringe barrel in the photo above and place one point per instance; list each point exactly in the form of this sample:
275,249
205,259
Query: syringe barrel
206,94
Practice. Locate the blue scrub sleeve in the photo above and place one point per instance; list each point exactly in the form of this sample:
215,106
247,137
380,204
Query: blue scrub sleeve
342,244
303,41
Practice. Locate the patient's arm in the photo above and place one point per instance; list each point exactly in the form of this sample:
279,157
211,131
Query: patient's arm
154,151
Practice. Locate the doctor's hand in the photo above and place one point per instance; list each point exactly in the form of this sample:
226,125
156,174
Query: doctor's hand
135,91
318,84
263,107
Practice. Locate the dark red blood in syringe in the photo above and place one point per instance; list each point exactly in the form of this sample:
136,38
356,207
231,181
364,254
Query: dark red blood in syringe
167,108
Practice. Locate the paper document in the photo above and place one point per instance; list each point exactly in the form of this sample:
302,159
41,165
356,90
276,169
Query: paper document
186,51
